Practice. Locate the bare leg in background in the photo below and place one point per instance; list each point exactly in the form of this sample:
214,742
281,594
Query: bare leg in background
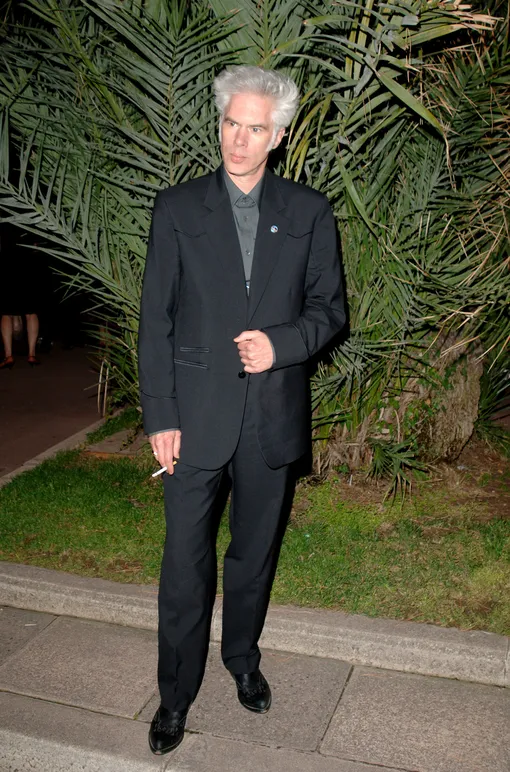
32,333
6,325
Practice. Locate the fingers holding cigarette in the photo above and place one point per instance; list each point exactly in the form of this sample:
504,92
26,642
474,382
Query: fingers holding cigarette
166,446
163,469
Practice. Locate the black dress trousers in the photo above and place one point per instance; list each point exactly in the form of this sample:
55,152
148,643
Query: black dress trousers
188,574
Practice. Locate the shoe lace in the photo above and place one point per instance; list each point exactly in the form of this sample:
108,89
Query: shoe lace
258,688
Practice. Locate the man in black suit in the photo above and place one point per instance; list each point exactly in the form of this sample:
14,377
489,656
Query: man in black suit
242,286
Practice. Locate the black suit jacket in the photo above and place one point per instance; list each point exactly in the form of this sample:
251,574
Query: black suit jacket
194,303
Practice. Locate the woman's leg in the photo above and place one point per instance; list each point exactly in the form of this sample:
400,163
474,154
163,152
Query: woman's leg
32,332
7,335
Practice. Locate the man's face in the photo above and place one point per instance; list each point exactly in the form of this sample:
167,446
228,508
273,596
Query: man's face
246,134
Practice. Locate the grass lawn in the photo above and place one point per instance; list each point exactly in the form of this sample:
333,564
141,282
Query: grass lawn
441,557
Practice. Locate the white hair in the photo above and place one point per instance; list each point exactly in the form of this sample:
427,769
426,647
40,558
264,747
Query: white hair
244,79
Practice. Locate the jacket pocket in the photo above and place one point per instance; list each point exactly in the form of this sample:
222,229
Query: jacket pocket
191,364
298,231
191,228
195,349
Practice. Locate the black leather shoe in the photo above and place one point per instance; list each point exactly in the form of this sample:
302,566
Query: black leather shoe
167,730
253,691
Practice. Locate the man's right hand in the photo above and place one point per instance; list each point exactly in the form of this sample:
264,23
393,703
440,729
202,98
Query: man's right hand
166,447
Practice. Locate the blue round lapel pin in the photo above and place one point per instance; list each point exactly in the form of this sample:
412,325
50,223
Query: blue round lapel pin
274,229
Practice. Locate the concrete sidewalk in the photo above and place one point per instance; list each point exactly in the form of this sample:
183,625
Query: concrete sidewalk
78,693
43,406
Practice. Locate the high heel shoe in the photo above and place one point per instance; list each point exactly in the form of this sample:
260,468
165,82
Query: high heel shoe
33,361
7,363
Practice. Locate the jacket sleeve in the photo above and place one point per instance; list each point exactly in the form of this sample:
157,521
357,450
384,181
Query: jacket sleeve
323,313
156,331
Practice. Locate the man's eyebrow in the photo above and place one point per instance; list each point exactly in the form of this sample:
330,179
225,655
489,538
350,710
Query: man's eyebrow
251,126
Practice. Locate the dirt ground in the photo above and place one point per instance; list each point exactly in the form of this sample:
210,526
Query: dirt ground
480,475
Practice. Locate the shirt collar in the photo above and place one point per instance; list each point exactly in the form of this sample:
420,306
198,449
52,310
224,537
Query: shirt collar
235,193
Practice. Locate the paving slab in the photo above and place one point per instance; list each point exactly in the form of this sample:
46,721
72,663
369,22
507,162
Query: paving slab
37,736
45,737
305,694
203,753
17,627
102,667
421,723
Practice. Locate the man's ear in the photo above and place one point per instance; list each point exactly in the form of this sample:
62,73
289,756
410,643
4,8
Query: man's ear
278,138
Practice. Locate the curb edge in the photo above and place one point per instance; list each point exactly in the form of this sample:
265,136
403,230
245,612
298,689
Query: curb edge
412,647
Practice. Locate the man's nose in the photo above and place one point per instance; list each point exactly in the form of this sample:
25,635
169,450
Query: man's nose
241,137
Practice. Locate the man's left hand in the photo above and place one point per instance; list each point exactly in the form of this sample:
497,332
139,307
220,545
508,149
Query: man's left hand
255,350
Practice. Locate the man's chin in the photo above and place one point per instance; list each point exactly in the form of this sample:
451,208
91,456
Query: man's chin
239,167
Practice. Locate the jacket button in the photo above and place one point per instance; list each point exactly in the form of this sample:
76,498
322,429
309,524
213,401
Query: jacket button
241,374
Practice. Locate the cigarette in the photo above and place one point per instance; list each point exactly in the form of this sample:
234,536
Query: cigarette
160,471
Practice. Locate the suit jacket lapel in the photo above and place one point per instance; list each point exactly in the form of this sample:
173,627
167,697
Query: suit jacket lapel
221,230
271,232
